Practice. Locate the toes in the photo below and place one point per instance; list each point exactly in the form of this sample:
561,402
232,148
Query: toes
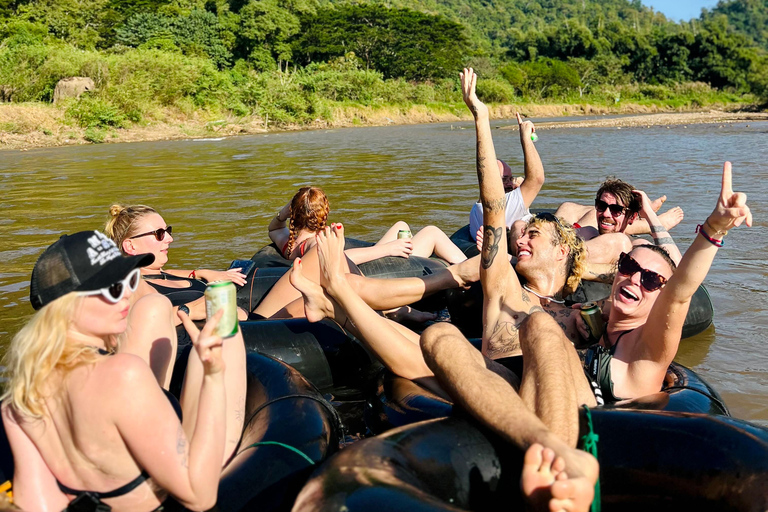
533,457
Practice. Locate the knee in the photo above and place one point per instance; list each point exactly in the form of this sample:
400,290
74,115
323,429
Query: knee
431,230
534,326
401,225
434,336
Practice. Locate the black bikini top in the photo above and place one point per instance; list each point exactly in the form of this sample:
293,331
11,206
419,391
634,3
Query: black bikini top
178,296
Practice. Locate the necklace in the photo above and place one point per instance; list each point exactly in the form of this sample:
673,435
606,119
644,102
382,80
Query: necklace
550,298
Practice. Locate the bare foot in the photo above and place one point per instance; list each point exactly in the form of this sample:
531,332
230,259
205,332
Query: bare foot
407,313
330,251
466,272
671,217
549,482
656,204
316,304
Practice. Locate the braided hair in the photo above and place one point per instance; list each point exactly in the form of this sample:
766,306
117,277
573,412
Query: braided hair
309,210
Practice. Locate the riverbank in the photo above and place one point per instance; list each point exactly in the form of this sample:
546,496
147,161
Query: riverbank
35,125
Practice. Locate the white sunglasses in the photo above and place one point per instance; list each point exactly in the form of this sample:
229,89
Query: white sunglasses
114,293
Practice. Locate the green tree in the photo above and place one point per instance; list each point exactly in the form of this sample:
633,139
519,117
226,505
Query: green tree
396,42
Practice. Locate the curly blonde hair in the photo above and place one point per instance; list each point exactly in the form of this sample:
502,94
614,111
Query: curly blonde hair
122,220
309,210
39,350
565,234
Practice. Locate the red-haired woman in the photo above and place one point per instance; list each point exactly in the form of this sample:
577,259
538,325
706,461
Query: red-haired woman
294,227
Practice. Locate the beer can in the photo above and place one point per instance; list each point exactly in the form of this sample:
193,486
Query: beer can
593,317
222,295
534,137
404,233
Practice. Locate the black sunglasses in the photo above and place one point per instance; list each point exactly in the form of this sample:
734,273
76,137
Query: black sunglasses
616,209
159,233
649,279
549,217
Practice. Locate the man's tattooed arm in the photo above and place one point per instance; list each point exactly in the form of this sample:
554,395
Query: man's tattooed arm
491,238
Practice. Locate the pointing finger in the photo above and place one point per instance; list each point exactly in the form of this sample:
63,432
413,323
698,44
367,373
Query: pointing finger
726,189
519,119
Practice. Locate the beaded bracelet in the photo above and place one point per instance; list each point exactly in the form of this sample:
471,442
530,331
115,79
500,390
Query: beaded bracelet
716,243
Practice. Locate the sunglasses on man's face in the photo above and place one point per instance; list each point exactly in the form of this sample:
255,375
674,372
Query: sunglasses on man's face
159,233
616,209
649,280
114,293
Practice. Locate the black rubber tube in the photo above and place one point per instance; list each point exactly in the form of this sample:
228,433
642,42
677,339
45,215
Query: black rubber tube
664,461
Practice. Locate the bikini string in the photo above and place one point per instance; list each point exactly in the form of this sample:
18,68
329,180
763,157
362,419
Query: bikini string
589,445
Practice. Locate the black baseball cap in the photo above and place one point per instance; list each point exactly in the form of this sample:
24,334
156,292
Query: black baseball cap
82,262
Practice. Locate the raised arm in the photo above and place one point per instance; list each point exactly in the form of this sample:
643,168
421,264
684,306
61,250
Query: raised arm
494,267
534,169
659,233
662,331
188,465
278,229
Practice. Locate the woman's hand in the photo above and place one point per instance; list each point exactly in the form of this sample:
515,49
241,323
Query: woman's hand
731,209
285,213
468,85
400,248
233,274
208,345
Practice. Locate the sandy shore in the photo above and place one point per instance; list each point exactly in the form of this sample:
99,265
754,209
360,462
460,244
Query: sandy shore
648,120
26,126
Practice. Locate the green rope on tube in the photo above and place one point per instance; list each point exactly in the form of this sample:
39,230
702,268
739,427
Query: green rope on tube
277,443
589,445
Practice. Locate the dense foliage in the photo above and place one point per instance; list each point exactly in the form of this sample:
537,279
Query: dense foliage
291,60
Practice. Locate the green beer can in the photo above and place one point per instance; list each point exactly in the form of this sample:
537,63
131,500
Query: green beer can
593,317
222,295
404,233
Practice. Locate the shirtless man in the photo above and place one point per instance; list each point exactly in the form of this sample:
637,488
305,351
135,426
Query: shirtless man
539,413
519,192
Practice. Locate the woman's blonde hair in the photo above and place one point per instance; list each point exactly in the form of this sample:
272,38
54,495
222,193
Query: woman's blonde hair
309,210
38,350
122,219
566,235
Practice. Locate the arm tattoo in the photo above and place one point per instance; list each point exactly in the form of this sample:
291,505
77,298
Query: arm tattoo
181,447
491,238
657,228
504,340
603,278
495,205
664,240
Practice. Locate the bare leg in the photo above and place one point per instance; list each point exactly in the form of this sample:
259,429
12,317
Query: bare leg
151,335
668,219
431,240
235,382
605,249
408,314
380,294
462,371
336,299
391,233
553,384
572,212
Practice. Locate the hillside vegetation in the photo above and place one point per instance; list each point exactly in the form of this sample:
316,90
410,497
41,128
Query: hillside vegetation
302,62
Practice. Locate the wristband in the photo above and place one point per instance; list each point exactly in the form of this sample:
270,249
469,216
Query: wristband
714,231
716,243
192,275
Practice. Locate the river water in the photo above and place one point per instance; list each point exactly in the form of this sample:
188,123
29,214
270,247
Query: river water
219,195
